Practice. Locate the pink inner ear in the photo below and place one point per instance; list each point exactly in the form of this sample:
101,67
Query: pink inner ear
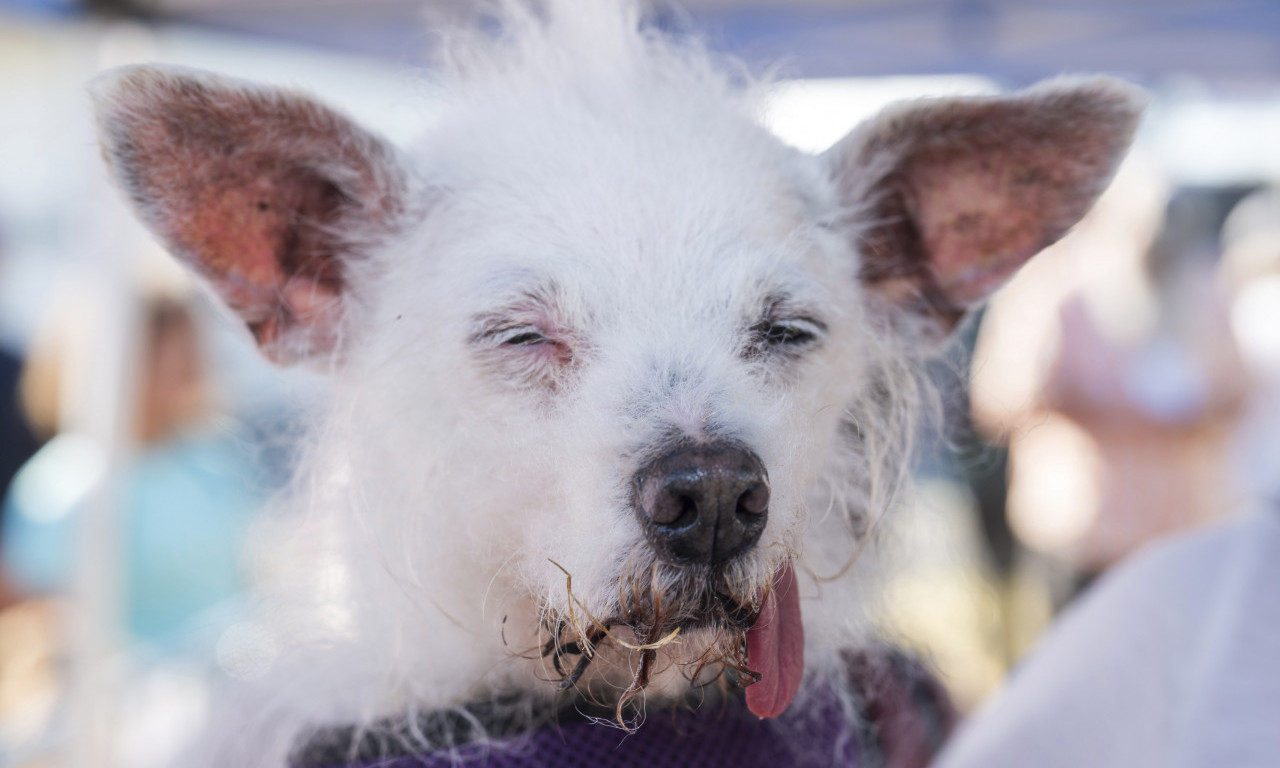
981,219
258,235
234,234
258,191
961,192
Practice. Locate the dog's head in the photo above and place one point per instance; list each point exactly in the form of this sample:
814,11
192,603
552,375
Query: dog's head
601,324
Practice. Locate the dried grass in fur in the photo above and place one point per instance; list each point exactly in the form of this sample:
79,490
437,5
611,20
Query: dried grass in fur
655,613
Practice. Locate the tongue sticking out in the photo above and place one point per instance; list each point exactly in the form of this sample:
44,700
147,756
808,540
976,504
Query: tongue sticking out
775,648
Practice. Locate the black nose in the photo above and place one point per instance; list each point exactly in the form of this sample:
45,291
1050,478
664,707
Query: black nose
703,503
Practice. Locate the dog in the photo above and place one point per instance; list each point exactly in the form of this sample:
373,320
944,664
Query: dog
619,383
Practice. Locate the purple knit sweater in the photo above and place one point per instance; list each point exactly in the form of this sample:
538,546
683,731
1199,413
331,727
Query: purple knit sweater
901,718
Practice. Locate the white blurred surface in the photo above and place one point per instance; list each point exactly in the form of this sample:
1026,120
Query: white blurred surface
1169,661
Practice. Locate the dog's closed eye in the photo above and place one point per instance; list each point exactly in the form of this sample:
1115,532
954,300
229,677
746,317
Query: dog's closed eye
791,332
525,352
525,337
784,335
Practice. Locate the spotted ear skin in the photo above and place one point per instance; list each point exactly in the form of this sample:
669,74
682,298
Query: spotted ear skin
266,194
947,198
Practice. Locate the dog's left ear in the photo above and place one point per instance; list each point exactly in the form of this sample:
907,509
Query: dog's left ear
948,197
269,196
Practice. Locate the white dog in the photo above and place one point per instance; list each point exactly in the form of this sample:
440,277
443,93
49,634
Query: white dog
619,381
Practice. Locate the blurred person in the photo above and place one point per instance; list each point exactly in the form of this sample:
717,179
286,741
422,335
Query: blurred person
1170,659
20,626
1251,271
187,501
17,442
1124,400
1160,410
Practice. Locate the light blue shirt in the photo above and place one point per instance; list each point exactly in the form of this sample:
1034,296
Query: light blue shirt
186,508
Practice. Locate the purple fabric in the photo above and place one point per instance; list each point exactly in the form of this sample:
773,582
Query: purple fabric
820,735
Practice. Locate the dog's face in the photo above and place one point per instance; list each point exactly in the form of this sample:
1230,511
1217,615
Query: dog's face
603,326
659,334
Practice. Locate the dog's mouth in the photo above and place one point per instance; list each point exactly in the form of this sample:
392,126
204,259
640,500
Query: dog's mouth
754,640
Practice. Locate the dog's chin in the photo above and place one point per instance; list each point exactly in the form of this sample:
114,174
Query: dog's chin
686,620
717,608
690,598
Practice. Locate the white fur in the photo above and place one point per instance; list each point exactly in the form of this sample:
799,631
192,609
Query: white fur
614,184
445,492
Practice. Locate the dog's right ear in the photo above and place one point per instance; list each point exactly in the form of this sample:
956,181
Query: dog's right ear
266,194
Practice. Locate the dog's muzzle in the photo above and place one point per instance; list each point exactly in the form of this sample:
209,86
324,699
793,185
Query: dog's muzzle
703,504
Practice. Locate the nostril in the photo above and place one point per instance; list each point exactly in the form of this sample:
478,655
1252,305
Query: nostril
754,500
687,512
667,508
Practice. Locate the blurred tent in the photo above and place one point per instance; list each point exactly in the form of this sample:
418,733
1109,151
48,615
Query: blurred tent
1013,41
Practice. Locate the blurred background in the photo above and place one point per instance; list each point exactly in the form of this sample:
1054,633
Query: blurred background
1124,387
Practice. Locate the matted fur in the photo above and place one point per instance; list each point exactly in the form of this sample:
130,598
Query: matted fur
573,273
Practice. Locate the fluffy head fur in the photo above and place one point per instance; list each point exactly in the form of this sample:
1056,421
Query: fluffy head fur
595,254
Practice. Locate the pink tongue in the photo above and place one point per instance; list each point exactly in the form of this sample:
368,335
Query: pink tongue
775,648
